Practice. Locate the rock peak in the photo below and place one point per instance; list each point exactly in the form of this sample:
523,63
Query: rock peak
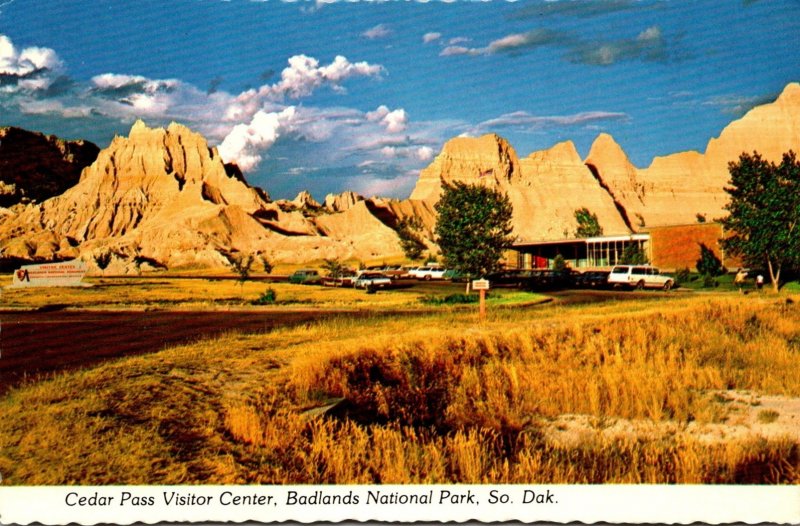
790,94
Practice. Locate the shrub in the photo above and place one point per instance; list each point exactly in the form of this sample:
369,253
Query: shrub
767,416
452,299
709,264
709,281
684,275
267,298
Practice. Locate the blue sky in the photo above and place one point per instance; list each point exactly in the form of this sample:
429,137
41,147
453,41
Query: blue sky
334,96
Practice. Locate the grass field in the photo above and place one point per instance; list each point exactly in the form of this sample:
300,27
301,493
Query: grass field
634,390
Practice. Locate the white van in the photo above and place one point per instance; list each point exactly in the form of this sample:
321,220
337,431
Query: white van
639,277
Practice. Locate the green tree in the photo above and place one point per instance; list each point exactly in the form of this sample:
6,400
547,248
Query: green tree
473,227
408,231
633,255
334,267
588,225
709,264
763,219
559,263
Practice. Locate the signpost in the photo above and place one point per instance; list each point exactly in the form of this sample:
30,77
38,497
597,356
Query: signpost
481,285
62,274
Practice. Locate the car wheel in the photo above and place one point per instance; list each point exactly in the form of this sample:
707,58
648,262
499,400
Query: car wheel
427,277
640,285
668,285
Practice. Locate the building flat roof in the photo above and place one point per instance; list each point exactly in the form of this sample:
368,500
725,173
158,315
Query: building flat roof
585,240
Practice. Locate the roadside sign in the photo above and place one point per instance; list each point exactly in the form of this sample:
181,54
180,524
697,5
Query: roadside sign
480,284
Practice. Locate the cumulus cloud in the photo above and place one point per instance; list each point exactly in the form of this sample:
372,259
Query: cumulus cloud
379,31
300,79
32,68
244,144
394,121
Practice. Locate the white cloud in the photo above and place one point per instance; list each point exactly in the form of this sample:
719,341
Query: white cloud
379,31
371,185
33,68
244,144
394,121
431,37
300,79
522,119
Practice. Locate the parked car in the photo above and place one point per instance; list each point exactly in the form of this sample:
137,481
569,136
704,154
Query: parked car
428,273
639,277
305,277
455,276
344,279
592,279
374,280
509,278
546,279
394,271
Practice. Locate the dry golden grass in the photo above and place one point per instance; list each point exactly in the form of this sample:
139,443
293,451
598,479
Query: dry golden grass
428,398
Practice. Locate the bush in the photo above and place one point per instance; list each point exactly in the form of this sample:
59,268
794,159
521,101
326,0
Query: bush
268,298
452,299
709,282
684,275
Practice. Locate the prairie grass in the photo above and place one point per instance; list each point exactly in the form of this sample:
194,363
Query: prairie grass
422,399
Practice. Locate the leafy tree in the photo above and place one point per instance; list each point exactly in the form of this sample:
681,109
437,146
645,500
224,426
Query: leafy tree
588,225
473,228
103,260
763,219
559,263
334,267
242,264
633,255
709,264
410,242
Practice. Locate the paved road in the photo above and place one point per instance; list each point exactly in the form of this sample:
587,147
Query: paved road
36,343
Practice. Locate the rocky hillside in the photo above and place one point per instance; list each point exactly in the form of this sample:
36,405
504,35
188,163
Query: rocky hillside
163,197
35,167
548,186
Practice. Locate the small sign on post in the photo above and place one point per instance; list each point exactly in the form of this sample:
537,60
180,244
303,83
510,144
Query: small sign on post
481,285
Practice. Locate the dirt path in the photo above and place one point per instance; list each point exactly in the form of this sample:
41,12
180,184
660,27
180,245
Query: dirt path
38,343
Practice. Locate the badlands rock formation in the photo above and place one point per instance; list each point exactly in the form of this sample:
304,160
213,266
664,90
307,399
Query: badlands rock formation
35,167
547,187
164,196
676,188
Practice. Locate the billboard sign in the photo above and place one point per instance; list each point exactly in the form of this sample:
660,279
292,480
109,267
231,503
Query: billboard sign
62,274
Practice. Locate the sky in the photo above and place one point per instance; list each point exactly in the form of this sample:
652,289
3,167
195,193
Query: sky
328,96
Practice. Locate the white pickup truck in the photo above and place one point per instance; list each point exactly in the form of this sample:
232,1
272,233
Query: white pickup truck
639,277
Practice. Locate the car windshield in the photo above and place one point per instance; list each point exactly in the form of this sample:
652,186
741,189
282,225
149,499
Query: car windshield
620,270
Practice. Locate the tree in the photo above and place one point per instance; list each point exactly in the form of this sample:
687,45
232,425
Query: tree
473,227
588,225
763,219
334,267
709,264
410,242
559,263
242,264
633,255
